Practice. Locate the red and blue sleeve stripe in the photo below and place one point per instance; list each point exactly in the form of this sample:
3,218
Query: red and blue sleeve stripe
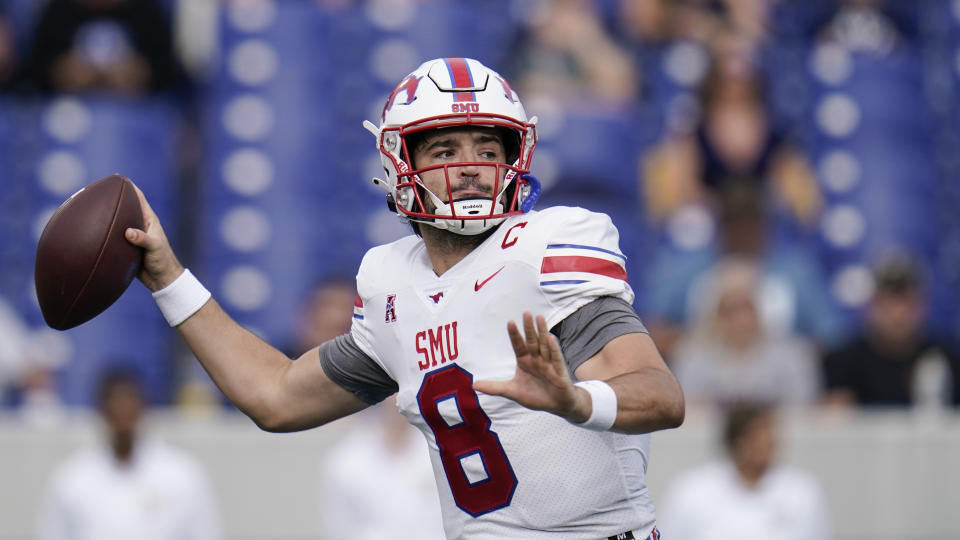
358,308
581,259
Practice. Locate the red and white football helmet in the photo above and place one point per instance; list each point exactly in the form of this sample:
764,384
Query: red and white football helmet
455,92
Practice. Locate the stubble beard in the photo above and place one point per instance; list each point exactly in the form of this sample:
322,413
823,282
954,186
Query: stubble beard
448,242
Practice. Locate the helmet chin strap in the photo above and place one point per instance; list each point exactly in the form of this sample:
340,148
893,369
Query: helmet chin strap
466,207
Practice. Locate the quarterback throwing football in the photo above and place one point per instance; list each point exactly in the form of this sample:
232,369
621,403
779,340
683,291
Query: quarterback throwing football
507,333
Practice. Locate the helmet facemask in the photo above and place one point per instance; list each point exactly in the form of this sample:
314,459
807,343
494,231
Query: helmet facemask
457,203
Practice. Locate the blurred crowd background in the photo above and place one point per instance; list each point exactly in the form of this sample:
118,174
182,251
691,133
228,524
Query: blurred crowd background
785,174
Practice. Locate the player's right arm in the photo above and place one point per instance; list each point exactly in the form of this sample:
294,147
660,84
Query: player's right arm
277,393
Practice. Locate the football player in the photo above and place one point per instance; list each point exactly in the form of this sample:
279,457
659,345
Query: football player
507,333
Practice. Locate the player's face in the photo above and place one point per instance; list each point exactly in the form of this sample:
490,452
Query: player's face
477,146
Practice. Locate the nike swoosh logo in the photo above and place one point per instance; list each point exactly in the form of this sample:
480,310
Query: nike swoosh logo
478,284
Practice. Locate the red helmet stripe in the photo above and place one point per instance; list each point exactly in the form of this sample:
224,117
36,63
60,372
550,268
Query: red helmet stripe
461,77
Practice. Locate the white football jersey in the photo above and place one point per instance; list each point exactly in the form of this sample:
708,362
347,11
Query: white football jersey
502,470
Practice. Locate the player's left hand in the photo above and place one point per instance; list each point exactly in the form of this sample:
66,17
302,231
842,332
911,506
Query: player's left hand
541,381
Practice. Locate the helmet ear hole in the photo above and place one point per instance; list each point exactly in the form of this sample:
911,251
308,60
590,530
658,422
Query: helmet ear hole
405,198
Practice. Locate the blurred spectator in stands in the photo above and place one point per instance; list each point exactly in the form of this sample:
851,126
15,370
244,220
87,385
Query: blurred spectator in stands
733,138
729,355
894,361
654,21
8,54
749,19
793,296
117,46
327,314
648,23
567,54
748,495
28,359
129,486
736,138
377,481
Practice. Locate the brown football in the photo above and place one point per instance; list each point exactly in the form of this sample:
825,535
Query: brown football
84,262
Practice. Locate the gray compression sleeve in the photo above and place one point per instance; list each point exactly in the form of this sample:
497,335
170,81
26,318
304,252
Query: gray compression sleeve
347,365
587,330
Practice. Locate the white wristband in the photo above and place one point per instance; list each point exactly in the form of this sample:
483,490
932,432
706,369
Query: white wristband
604,405
182,298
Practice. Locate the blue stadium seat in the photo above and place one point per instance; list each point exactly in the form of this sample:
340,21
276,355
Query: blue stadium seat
596,153
272,169
16,217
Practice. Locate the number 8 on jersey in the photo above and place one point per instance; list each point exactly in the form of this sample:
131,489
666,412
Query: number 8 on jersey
465,442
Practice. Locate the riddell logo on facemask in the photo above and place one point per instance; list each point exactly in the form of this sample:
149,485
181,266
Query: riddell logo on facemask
471,206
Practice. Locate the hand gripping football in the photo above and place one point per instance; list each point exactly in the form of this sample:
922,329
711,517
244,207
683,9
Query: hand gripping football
84,262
